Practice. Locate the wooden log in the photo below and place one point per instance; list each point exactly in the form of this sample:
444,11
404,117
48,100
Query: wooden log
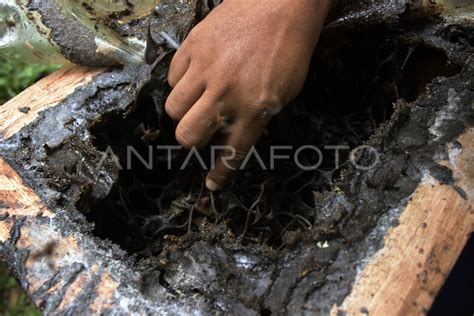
46,248
401,278
46,93
404,277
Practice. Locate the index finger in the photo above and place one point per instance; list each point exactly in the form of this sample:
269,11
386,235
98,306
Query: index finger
244,136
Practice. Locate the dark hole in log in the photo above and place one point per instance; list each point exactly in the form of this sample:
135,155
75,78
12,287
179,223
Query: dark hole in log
352,85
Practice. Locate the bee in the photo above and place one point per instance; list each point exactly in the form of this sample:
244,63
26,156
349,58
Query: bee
146,135
10,21
47,253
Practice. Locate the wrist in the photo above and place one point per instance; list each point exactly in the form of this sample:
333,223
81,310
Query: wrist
308,16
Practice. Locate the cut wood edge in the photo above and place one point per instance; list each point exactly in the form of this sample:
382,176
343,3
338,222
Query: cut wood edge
22,208
46,93
404,277
17,199
401,278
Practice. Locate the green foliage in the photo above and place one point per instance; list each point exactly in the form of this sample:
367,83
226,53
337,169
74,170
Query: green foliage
16,76
13,301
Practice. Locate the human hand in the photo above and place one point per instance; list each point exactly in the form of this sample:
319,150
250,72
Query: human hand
238,68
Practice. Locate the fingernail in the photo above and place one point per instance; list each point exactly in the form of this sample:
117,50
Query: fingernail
212,186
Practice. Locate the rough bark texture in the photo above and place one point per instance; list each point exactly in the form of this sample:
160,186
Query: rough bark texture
210,270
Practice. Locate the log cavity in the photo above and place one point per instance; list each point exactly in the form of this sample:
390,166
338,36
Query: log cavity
352,86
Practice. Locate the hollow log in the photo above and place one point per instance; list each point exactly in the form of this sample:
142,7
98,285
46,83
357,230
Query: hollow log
390,260
401,278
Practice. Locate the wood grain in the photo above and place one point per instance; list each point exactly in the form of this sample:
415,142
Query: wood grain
44,94
404,277
16,198
21,203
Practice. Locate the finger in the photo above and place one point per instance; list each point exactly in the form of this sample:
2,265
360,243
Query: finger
179,65
200,123
244,136
187,92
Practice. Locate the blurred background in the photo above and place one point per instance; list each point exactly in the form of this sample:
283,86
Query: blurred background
15,77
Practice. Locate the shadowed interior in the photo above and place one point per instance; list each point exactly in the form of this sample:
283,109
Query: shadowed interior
351,88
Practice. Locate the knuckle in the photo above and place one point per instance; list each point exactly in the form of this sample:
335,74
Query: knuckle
177,66
171,78
184,137
269,98
171,110
257,112
193,34
268,104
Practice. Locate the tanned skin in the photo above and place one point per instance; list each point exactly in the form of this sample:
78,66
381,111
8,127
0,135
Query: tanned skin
237,68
